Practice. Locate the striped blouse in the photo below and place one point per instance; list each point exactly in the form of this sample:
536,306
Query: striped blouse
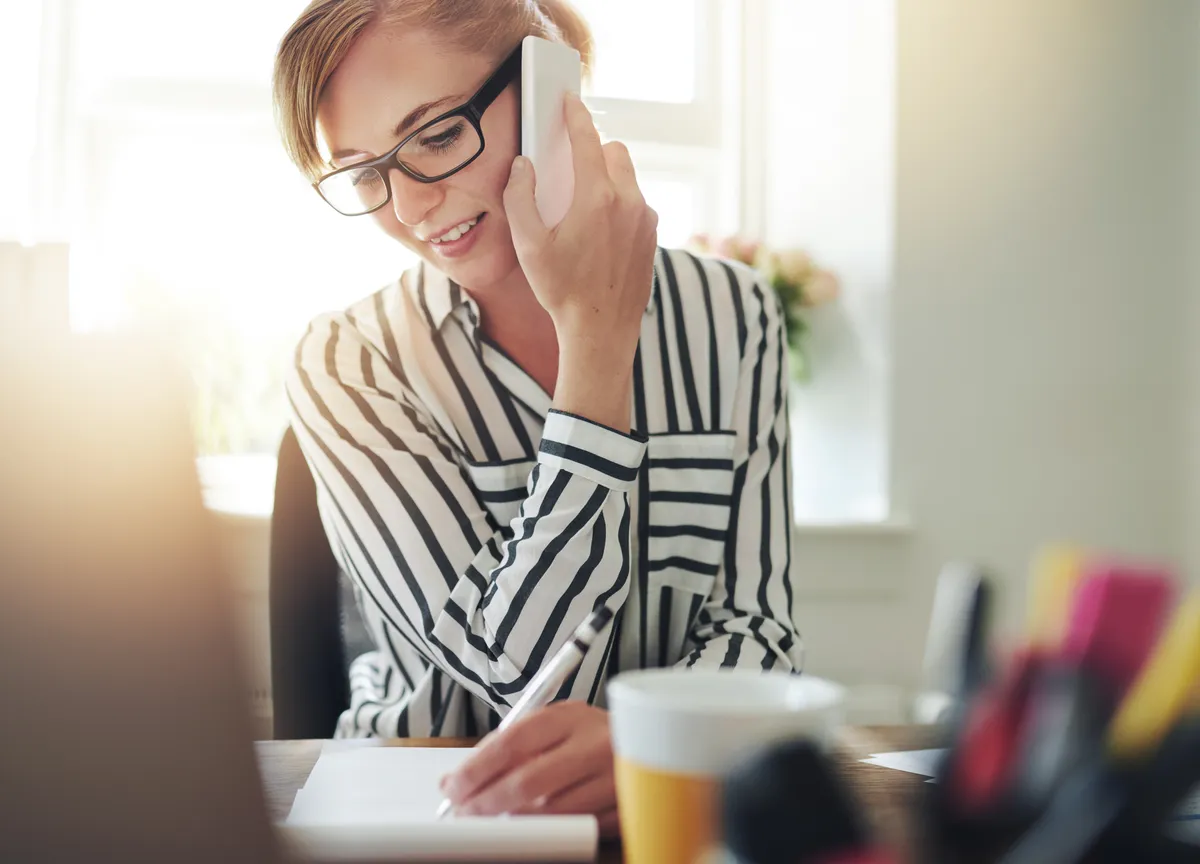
480,527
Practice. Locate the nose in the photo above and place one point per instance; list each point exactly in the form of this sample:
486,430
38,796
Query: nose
413,201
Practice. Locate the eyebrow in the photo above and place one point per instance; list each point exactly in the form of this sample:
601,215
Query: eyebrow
410,119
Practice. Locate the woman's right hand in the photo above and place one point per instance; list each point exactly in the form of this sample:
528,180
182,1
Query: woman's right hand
592,272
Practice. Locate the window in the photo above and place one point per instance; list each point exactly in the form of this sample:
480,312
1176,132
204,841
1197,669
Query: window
162,128
669,88
827,145
135,120
19,55
165,131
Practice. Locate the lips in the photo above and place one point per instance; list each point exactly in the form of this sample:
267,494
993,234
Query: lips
457,240
456,232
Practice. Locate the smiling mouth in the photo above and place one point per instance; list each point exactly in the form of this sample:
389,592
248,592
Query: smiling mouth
457,232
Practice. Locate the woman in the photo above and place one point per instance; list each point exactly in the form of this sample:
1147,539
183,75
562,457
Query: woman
531,422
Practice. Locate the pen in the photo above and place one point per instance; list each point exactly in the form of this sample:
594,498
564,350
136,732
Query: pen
974,670
551,676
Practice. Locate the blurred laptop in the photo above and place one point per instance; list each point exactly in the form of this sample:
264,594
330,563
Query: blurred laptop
125,731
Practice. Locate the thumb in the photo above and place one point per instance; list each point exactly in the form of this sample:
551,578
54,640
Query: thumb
528,230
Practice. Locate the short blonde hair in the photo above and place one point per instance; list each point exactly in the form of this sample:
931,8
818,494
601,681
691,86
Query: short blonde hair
321,37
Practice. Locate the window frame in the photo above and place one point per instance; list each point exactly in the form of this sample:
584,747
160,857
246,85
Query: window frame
701,140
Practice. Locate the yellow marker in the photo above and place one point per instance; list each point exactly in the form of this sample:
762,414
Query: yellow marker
1193,706
1166,687
1055,575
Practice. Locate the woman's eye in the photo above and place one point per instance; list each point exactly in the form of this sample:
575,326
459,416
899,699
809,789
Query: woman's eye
443,140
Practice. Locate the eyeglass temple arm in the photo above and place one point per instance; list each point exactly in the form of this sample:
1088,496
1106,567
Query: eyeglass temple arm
509,69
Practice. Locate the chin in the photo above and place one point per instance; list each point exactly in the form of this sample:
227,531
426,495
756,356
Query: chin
478,270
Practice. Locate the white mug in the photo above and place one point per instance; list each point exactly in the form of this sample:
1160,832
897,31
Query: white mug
675,734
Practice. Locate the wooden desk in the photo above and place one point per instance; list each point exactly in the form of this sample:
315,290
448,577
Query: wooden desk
887,796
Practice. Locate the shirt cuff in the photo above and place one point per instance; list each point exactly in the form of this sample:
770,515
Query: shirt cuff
600,454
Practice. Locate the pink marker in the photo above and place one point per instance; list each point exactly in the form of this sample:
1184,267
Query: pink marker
1116,620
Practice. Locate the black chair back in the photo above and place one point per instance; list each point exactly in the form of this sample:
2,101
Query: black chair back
308,656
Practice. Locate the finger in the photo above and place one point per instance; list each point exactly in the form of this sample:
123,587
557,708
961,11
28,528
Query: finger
586,155
533,785
528,229
530,787
590,795
504,752
620,170
650,220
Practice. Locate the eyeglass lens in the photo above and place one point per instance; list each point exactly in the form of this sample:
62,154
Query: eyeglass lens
436,150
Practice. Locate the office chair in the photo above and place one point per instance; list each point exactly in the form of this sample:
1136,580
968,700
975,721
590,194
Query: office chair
308,608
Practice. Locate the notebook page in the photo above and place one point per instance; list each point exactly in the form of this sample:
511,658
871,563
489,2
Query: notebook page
375,785
380,803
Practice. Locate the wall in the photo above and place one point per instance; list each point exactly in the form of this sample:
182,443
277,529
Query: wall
1037,288
1191,527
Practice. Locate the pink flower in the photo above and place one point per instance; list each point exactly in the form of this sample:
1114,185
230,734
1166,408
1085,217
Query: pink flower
746,250
822,288
726,247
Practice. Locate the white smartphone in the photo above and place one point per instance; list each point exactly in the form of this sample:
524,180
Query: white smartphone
549,70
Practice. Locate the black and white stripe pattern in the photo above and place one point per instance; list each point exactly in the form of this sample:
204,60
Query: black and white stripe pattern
480,527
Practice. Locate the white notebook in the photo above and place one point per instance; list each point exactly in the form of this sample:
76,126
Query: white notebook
379,803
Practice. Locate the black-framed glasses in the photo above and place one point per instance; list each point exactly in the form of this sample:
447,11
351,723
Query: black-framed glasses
443,146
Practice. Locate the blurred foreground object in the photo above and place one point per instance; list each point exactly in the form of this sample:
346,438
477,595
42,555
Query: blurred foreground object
1081,746
786,805
956,644
126,736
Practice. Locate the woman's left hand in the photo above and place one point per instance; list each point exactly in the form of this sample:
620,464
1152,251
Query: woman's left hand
557,760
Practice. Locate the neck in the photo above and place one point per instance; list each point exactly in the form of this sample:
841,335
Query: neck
512,318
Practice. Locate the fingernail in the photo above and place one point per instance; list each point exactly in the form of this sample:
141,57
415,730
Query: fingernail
518,165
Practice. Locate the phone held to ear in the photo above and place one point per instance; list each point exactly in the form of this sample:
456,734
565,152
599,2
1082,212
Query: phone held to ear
549,70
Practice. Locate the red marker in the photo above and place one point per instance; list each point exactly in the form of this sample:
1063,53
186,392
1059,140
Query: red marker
984,755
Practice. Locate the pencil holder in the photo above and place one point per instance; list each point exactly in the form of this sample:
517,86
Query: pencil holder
1085,743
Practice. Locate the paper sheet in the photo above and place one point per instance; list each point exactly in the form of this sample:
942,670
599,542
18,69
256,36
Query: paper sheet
912,761
377,803
374,785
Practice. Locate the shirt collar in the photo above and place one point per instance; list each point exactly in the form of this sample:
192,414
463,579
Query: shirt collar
438,297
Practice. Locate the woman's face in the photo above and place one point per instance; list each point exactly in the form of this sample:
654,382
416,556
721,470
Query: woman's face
381,81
